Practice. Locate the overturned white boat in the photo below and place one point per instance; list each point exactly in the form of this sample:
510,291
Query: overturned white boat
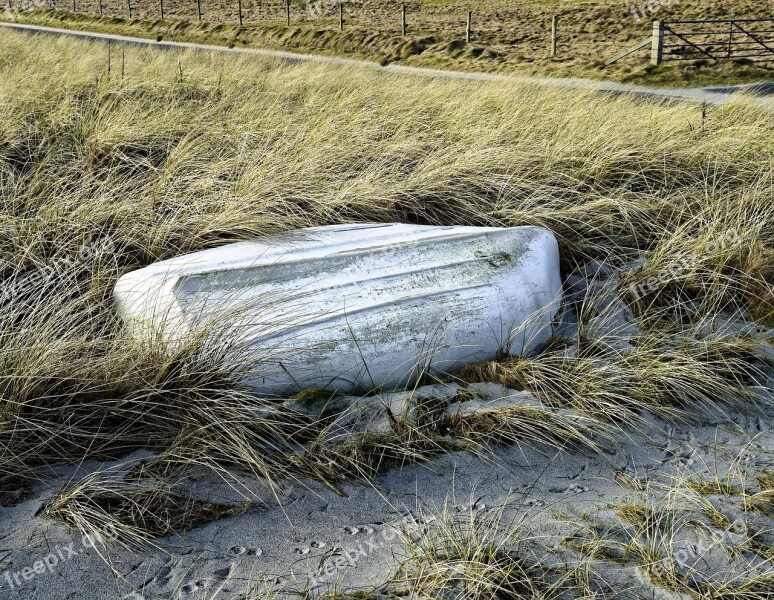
354,307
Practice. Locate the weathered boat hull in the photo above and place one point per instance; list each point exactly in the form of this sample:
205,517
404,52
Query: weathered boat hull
355,307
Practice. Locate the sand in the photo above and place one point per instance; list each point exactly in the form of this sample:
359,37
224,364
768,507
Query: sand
308,537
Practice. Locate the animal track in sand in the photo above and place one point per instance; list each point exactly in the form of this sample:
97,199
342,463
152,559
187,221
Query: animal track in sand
242,551
477,505
189,590
161,578
361,529
573,489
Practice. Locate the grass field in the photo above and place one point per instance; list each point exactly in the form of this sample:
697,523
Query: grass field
508,37
103,173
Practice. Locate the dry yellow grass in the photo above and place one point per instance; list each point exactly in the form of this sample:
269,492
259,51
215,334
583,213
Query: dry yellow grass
100,174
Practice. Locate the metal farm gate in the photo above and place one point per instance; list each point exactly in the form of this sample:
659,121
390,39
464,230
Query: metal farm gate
732,39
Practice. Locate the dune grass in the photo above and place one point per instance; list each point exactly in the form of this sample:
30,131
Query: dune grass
103,172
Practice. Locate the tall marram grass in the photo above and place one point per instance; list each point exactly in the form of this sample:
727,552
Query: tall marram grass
101,173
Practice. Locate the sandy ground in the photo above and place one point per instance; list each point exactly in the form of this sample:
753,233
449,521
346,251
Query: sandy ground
307,537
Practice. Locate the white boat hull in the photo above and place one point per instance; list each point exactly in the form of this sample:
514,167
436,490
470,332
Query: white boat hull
355,307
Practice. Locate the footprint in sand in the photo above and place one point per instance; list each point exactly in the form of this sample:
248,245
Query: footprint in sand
242,551
222,574
477,505
161,578
302,551
361,529
318,544
189,590
573,489
577,489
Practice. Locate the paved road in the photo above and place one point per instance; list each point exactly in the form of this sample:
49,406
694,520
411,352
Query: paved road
711,95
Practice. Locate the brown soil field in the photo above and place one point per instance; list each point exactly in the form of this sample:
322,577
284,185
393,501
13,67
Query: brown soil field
507,36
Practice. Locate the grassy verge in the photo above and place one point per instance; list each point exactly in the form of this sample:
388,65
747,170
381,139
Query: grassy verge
103,173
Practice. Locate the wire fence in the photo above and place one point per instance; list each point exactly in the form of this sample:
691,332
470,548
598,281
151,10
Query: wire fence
750,39
333,12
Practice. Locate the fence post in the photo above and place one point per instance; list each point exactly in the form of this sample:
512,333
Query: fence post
129,7
403,20
199,9
74,9
100,8
341,16
468,28
730,38
554,35
239,11
287,11
161,8
657,46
